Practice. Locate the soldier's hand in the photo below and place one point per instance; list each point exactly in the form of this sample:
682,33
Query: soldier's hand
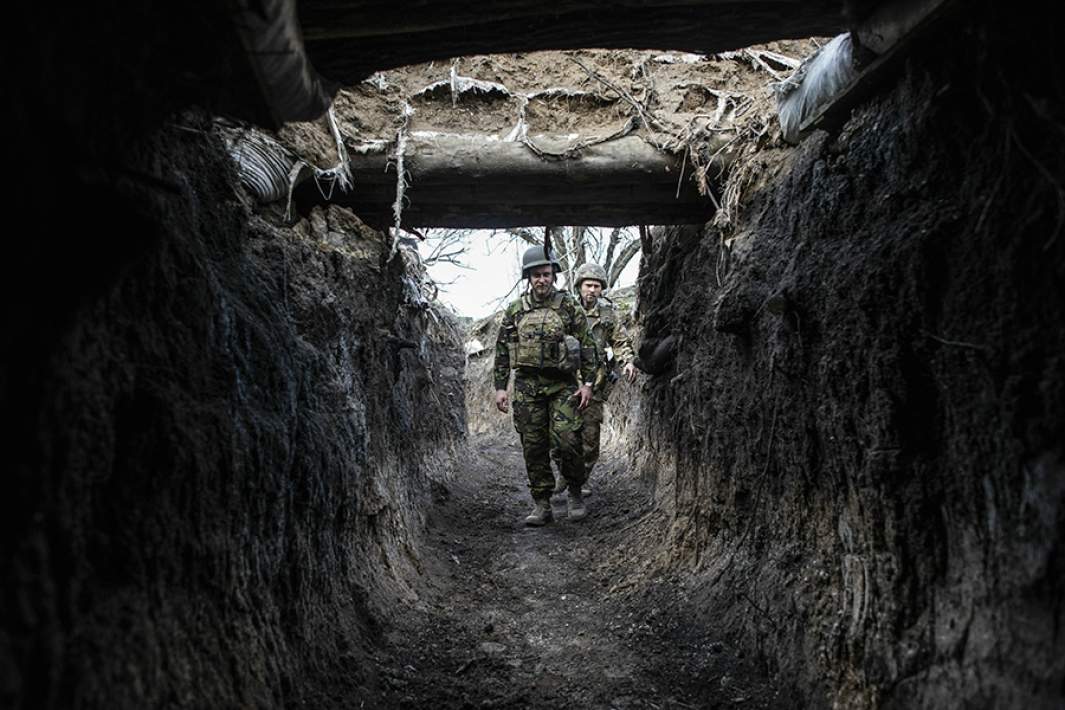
584,394
630,372
502,401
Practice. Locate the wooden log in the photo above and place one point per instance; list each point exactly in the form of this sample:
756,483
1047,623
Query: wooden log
345,41
445,158
348,41
889,32
891,22
331,19
471,181
432,196
482,217
289,86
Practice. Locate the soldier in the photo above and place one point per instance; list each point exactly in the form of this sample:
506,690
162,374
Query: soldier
544,337
615,350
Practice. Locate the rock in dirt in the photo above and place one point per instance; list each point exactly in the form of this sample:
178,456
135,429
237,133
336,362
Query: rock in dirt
491,648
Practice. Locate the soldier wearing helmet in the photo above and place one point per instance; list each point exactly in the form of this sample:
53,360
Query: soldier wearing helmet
615,351
544,338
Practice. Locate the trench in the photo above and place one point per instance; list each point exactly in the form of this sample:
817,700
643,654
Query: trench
251,465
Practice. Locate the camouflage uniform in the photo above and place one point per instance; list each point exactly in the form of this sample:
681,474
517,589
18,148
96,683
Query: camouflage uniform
545,412
605,324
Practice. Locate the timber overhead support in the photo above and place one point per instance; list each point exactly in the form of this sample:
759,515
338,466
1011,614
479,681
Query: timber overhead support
348,40
475,183
301,53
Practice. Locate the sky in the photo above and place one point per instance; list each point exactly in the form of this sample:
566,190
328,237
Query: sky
493,268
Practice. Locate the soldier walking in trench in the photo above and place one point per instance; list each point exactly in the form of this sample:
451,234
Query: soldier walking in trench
544,338
614,348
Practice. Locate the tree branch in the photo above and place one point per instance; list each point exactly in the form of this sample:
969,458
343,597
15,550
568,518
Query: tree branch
525,235
646,243
624,257
615,237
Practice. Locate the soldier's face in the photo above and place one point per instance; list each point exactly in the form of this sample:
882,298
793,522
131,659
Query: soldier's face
540,279
590,291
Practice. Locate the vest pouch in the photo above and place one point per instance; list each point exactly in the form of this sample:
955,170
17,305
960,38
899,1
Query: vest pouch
539,341
512,350
571,360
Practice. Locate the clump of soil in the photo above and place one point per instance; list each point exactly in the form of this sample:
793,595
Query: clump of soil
315,140
367,112
562,113
488,112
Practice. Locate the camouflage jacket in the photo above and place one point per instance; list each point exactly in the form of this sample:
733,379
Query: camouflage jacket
615,345
574,323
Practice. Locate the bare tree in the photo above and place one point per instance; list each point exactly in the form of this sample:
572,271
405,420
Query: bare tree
612,248
439,246
445,246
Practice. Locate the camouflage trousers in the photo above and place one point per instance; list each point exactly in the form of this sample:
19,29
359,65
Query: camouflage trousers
546,418
593,420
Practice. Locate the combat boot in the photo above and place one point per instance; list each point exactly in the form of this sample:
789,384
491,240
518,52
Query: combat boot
585,489
560,486
575,504
541,513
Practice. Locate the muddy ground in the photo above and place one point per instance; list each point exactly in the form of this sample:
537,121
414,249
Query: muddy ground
569,615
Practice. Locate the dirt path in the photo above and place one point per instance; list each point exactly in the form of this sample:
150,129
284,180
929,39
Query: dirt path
552,617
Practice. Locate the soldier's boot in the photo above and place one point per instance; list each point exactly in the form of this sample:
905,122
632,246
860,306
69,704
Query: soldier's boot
541,513
575,504
560,486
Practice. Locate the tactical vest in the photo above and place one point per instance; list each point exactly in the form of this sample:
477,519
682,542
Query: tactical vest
540,340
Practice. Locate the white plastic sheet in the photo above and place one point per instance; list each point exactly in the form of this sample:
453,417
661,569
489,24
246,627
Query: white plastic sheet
821,76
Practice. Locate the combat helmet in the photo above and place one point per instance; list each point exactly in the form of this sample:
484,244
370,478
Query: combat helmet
538,256
591,271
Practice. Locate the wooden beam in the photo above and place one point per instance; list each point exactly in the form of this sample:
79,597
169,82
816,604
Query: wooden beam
348,41
890,31
480,217
445,157
891,22
298,62
291,89
351,19
469,181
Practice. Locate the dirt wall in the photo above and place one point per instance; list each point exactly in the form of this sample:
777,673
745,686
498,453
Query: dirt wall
859,441
483,419
219,468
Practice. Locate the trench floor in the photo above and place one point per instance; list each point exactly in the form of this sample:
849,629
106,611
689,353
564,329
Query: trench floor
575,614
